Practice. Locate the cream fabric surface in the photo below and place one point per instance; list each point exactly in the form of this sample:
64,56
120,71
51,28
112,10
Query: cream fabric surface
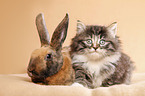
21,85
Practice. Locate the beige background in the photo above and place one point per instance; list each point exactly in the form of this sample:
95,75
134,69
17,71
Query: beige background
18,34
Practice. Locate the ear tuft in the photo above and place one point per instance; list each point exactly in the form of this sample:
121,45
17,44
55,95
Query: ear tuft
112,28
80,26
66,16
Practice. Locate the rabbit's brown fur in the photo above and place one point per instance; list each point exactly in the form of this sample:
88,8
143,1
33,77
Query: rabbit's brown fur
48,64
63,77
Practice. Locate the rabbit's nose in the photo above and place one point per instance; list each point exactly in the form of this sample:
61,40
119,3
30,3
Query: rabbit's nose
31,72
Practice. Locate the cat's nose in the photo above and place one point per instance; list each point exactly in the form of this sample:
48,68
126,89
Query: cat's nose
96,47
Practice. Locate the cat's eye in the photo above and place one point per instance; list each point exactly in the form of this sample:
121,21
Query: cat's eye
102,42
89,41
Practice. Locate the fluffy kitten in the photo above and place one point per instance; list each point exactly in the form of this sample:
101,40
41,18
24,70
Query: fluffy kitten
97,57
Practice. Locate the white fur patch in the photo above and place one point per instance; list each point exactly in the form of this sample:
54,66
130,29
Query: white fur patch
94,66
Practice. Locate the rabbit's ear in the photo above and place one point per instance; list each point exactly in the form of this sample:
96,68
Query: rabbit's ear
60,34
42,30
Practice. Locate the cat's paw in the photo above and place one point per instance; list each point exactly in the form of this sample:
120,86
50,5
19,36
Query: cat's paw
77,84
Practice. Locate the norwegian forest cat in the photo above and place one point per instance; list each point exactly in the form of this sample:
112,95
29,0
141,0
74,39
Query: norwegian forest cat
97,56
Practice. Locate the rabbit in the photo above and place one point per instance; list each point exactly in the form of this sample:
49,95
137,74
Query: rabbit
49,65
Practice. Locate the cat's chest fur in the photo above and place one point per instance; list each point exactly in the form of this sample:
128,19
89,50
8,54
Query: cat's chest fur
95,67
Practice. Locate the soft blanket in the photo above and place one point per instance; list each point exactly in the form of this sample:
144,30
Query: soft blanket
21,85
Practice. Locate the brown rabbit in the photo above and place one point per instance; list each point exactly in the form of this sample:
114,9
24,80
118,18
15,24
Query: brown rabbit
48,64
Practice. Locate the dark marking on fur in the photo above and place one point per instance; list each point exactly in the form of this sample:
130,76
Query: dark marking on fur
122,72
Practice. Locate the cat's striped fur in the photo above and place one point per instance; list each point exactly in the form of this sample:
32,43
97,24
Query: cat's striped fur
97,57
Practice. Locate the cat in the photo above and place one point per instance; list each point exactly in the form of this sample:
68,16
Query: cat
97,56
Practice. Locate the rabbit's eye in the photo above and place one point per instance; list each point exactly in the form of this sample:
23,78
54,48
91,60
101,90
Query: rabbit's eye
48,56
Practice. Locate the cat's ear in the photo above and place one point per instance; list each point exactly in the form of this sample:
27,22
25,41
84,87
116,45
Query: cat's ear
112,28
80,26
